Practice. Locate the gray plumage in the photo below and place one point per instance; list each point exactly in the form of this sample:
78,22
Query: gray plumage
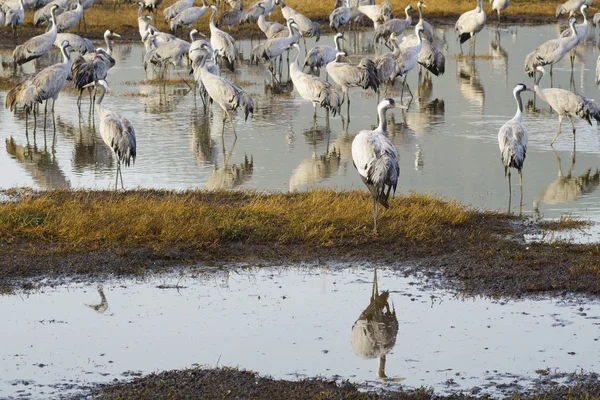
2,17
117,132
395,25
176,8
188,17
409,57
15,16
570,7
255,11
566,103
499,5
427,28
552,51
596,19
319,56
429,57
68,19
270,29
231,17
470,23
347,75
376,159
37,46
386,63
306,26
377,13
43,14
227,95
78,43
222,42
24,94
270,49
598,71
580,28
340,16
313,89
513,139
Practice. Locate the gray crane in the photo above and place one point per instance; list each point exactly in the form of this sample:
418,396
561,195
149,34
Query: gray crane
15,17
469,24
37,46
566,103
188,17
581,29
347,75
377,13
313,89
68,19
255,11
227,95
231,17
386,64
376,159
152,5
43,14
270,29
78,43
571,7
340,16
512,140
116,131
152,37
499,5
408,59
223,42
320,56
197,57
551,51
394,25
175,9
427,28
271,49
306,26
430,57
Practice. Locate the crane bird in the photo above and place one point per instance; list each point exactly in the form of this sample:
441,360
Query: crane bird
320,56
254,11
45,85
306,26
408,59
227,95
116,131
340,16
79,44
223,42
44,14
68,19
273,48
313,89
188,17
566,103
376,159
394,25
270,29
386,64
499,5
176,8
427,28
571,7
152,5
37,46
347,75
469,24
581,29
231,17
377,13
15,17
430,57
551,51
211,65
152,37
93,66
512,140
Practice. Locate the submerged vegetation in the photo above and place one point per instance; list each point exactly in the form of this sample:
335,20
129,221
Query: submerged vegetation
65,232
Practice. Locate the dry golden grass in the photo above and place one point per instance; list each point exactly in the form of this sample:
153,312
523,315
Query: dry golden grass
201,220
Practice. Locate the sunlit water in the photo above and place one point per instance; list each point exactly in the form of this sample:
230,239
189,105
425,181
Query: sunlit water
287,323
447,140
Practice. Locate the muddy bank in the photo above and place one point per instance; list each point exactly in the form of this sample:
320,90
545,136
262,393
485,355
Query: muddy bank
202,383
65,233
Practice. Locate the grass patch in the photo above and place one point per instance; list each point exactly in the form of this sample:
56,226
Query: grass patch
565,222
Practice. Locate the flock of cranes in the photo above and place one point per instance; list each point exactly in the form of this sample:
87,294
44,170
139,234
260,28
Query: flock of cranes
374,155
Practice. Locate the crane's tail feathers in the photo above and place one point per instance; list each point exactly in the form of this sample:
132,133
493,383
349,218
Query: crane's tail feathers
258,53
332,100
464,37
316,31
587,110
248,104
230,64
313,60
371,79
82,73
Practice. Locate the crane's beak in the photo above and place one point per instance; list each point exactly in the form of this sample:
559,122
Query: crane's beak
529,90
93,84
423,5
116,34
397,105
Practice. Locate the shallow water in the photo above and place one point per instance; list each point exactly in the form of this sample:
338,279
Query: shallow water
287,323
447,140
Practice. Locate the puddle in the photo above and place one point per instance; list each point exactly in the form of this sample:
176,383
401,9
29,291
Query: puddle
290,323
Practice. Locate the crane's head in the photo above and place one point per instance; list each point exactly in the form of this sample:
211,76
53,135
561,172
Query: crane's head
277,2
420,4
99,82
149,18
419,29
65,45
54,7
389,103
108,34
214,8
339,35
583,8
139,4
408,7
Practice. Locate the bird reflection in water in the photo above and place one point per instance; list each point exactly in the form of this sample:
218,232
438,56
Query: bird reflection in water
41,165
499,55
469,82
103,305
205,149
374,332
228,177
567,188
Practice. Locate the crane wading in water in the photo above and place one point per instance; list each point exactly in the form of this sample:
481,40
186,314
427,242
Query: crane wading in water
116,131
376,159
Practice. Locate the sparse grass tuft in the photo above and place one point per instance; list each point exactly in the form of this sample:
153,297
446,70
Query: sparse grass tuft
565,222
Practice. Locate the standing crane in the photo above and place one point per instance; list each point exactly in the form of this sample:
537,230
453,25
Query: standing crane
394,25
188,17
408,59
223,42
430,57
68,19
78,43
566,103
227,95
377,13
313,89
176,8
255,11
427,28
512,140
571,7
340,16
270,29
499,5
581,29
271,49
116,131
306,26
231,17
37,46
15,17
470,24
44,14
376,159
320,56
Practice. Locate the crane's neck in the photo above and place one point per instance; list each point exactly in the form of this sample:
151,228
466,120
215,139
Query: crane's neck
290,30
396,47
140,11
381,367
212,18
519,113
296,61
479,7
53,17
420,7
22,5
583,12
109,48
408,17
382,120
99,98
65,54
536,85
338,47
282,4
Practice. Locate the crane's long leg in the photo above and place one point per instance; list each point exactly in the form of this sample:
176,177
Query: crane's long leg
572,126
121,175
521,187
118,166
560,118
231,121
315,113
509,190
374,215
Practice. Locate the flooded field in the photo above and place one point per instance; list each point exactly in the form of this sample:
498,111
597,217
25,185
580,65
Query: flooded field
290,323
447,140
